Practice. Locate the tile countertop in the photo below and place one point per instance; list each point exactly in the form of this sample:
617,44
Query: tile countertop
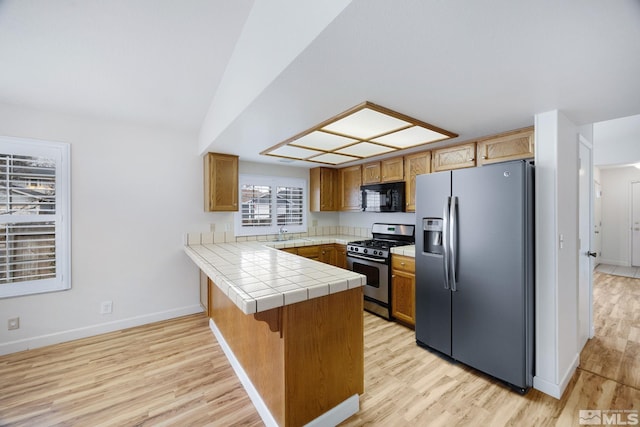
258,277
409,251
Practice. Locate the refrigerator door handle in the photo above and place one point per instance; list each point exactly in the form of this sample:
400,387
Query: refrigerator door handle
453,239
445,240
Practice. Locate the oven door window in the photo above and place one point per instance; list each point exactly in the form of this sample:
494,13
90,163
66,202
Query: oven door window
372,273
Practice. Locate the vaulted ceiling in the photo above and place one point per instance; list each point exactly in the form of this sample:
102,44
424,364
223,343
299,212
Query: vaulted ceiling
246,75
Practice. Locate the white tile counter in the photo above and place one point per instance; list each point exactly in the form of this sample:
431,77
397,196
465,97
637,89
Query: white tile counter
257,276
409,250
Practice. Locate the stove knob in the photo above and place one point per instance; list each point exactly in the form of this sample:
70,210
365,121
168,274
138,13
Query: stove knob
375,252
365,251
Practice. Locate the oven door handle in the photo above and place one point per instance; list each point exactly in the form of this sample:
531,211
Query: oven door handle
378,260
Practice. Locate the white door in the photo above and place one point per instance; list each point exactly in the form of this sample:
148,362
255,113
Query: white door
635,224
585,224
597,221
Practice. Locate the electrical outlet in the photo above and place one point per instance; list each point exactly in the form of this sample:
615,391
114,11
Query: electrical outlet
13,323
106,307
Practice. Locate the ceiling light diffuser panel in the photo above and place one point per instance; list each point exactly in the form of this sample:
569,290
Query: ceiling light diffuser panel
366,124
364,131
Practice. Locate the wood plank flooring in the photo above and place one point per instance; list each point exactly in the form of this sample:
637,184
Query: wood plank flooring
614,351
174,373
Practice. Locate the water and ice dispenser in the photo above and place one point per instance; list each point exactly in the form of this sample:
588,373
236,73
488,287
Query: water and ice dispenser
432,229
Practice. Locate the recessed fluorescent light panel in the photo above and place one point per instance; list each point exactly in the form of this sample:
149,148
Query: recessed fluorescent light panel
366,130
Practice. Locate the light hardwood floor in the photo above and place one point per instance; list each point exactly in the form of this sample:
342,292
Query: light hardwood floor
174,373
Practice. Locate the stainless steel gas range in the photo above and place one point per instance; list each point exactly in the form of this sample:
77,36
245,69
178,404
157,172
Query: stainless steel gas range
373,259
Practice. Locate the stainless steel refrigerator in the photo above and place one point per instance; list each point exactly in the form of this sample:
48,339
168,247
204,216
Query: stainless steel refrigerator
475,268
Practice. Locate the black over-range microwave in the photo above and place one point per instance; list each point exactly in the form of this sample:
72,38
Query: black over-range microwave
388,197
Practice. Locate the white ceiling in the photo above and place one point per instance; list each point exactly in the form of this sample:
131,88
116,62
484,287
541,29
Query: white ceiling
474,68
156,62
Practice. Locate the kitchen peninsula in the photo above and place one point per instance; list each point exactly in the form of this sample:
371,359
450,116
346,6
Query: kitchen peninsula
291,327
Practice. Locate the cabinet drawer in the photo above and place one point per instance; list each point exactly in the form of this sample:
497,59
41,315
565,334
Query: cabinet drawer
403,263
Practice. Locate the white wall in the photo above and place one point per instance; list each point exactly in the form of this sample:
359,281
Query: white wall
557,352
617,142
616,211
135,191
366,219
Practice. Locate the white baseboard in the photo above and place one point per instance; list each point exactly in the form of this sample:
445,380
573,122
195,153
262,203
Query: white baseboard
255,397
332,417
614,262
556,390
338,413
89,331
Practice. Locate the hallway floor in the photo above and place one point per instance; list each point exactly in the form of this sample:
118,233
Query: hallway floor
618,270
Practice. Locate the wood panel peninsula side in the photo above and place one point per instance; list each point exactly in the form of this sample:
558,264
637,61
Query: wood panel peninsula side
297,347
303,359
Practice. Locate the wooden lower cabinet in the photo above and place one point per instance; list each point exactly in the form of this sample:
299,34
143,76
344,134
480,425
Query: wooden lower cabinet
341,256
333,253
403,289
311,252
327,254
304,358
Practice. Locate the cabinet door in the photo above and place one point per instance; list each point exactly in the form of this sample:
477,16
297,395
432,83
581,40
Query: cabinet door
323,183
341,256
403,289
456,157
414,164
221,182
371,173
510,146
403,302
392,169
327,254
311,252
350,181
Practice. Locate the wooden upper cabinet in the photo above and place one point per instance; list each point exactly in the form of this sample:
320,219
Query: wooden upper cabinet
371,173
350,179
414,164
220,182
388,170
323,183
514,145
392,169
456,157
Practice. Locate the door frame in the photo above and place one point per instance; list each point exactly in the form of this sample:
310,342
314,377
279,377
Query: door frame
630,228
582,141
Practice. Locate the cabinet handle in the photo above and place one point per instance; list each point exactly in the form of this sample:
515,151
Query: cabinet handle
471,160
402,264
484,157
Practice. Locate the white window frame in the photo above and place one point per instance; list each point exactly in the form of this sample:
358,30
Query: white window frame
61,152
273,182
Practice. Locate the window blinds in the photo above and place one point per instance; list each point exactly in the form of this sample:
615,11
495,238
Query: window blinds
27,208
290,205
